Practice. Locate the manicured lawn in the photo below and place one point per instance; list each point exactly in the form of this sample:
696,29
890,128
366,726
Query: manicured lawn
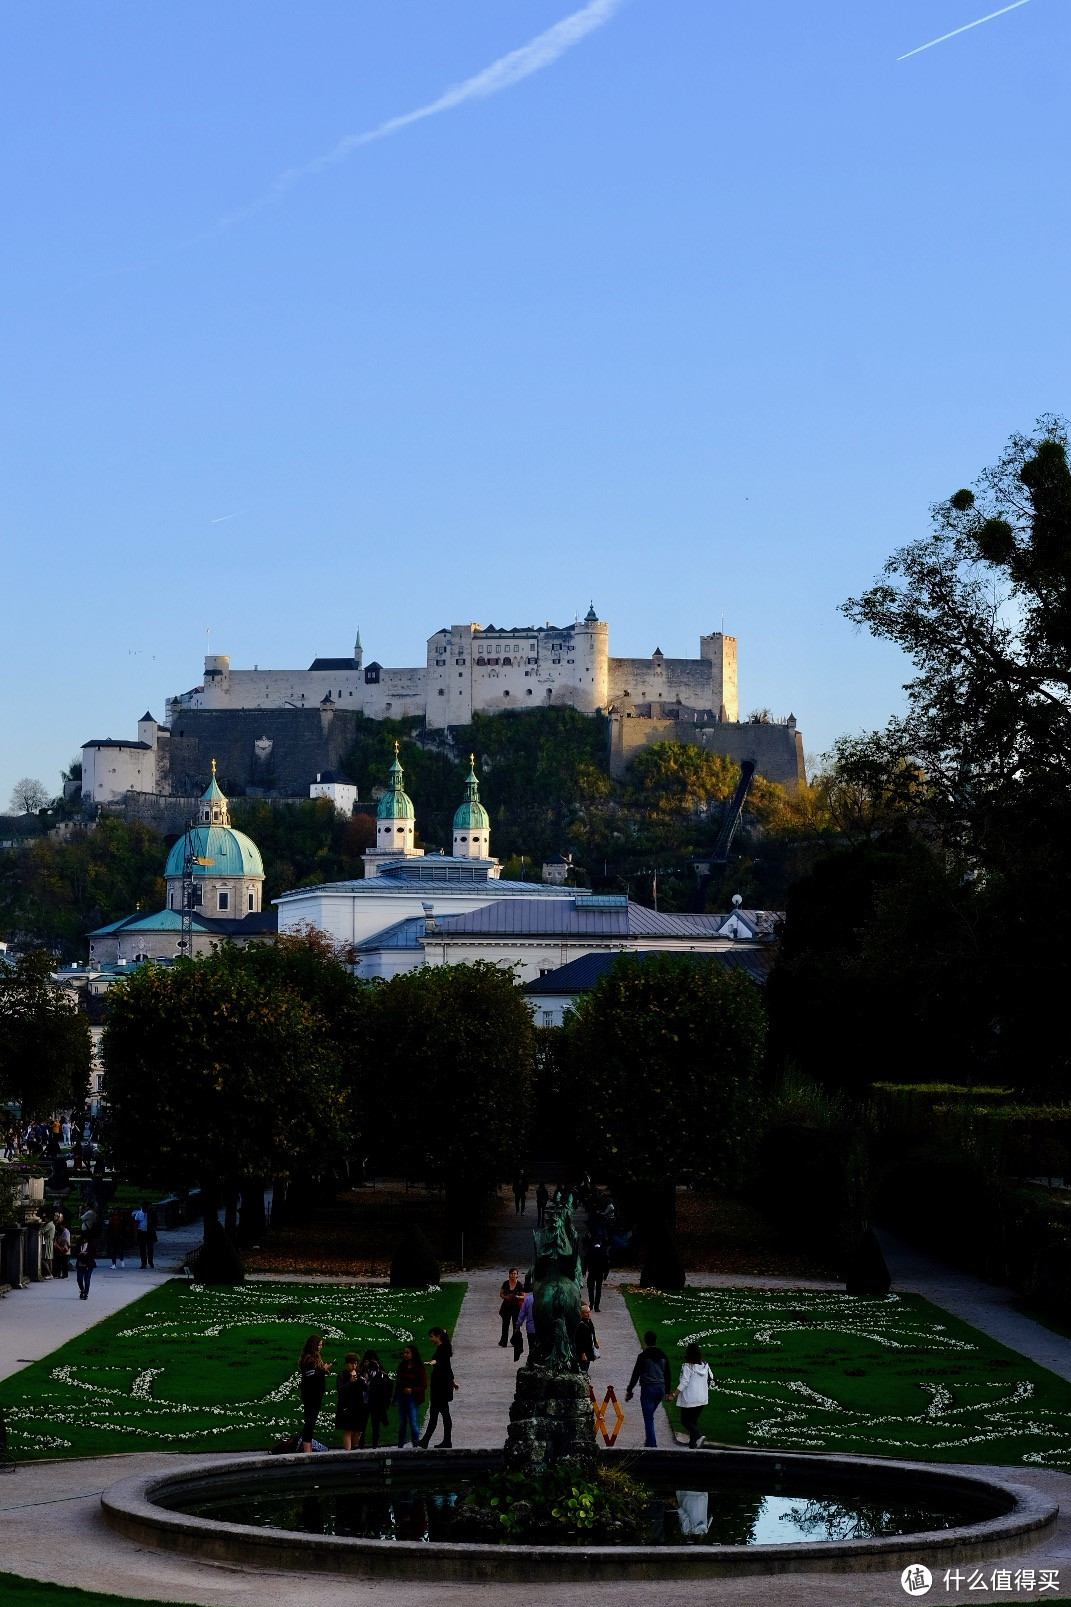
32,1593
822,1371
197,1369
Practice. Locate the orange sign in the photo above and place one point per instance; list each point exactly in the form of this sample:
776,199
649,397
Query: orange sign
601,1409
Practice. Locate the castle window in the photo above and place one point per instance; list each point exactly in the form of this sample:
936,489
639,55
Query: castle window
442,691
505,694
224,899
249,900
507,661
625,693
528,692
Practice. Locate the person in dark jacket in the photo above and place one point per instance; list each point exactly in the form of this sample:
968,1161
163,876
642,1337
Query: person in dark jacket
542,1196
651,1372
510,1296
373,1407
441,1394
312,1373
598,1266
84,1265
410,1388
347,1403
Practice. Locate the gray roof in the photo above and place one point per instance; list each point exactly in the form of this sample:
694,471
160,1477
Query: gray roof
111,742
431,888
402,935
333,664
581,975
532,917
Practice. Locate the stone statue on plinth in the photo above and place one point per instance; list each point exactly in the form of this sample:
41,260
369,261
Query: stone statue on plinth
551,1419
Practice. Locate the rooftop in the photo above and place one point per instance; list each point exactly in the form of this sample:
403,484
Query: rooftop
581,975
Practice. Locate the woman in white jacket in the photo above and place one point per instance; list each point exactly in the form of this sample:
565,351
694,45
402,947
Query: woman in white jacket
693,1393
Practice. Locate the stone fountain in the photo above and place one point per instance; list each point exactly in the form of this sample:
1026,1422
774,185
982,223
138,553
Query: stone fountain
551,1419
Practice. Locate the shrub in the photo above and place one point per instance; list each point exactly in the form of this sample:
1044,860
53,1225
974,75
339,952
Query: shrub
662,1267
558,1504
218,1261
414,1264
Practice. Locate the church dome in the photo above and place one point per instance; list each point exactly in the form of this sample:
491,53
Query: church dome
472,816
230,852
396,803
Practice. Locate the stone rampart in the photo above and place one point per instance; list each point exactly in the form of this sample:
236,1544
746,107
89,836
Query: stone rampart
775,750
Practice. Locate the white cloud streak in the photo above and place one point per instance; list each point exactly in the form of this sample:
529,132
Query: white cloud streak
542,51
967,26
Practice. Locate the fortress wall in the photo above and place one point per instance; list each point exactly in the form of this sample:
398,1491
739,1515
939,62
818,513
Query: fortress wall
652,680
303,741
775,750
397,695
268,689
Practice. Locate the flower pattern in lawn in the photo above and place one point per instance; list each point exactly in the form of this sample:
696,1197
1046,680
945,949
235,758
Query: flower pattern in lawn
789,1412
133,1400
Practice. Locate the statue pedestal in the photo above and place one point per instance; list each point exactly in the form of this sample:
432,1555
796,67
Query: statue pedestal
550,1421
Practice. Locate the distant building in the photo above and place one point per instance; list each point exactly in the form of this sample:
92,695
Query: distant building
225,874
274,730
555,992
343,794
414,909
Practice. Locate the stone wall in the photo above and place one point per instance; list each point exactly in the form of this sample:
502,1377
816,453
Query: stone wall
775,750
275,751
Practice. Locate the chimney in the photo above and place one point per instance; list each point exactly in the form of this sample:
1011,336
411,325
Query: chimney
429,917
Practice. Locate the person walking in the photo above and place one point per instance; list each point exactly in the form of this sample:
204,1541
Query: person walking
585,1340
520,1193
598,1268
312,1376
441,1394
651,1373
510,1296
693,1393
525,1325
84,1265
61,1256
48,1246
542,1196
410,1388
145,1228
374,1404
348,1391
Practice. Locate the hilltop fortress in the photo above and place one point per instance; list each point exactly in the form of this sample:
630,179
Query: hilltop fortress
274,731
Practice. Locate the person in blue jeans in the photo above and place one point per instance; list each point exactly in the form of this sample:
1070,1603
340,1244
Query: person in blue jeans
411,1386
651,1373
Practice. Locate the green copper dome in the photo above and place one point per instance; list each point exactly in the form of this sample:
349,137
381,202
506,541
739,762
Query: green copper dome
396,803
472,816
231,853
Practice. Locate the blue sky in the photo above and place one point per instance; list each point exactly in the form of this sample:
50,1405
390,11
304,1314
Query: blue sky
696,322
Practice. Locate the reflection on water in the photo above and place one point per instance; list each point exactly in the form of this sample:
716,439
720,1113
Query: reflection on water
722,1514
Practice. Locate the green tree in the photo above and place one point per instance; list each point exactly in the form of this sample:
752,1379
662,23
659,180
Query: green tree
664,1056
218,1070
982,607
55,890
44,1039
450,1055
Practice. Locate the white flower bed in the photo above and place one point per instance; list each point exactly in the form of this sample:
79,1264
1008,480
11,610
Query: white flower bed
951,1416
133,1401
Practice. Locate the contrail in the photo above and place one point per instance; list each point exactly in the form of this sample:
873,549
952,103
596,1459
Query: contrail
540,52
222,520
967,26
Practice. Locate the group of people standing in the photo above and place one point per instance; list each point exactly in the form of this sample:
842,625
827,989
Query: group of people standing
63,1243
365,1392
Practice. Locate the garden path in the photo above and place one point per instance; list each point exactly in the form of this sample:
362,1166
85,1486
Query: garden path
485,1372
988,1306
49,1499
43,1316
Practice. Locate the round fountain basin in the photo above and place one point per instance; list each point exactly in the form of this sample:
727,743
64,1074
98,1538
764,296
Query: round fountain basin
712,1513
